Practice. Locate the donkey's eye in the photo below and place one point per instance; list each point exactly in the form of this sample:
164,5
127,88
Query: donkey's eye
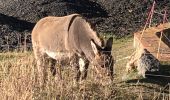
102,66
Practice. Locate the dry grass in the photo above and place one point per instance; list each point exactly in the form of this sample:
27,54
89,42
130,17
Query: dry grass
16,76
18,80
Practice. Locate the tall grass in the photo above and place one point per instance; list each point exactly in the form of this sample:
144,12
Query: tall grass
18,80
16,76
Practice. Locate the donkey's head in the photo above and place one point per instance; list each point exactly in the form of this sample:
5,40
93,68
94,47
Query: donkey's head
103,60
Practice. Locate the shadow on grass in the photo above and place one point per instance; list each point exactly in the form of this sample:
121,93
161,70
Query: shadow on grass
161,78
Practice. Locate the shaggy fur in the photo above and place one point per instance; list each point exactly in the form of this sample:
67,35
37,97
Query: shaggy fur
144,61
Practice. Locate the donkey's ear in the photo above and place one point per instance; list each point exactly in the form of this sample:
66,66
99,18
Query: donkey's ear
94,47
109,44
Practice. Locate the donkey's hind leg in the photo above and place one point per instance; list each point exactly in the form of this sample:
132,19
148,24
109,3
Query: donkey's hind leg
52,63
40,61
59,72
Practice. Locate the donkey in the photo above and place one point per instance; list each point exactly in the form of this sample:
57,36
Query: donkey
71,37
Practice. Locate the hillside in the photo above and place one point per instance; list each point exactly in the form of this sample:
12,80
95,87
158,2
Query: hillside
118,17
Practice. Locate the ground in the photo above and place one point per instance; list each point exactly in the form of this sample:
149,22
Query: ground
18,80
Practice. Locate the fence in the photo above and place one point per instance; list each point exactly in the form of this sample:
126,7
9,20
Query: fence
15,42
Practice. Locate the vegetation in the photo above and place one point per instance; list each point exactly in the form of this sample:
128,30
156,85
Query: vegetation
18,80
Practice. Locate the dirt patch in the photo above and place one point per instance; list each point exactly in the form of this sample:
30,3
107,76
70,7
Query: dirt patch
108,16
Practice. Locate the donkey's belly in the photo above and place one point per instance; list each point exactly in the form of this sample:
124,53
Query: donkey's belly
59,55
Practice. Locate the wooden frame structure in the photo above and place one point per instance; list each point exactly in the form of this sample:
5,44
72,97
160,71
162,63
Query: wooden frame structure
150,41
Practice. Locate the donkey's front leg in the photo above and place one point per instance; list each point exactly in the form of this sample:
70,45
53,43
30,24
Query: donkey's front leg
75,66
83,64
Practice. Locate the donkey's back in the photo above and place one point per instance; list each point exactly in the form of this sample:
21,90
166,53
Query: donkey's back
51,33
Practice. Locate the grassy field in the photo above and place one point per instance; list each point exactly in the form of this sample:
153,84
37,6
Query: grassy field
18,80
